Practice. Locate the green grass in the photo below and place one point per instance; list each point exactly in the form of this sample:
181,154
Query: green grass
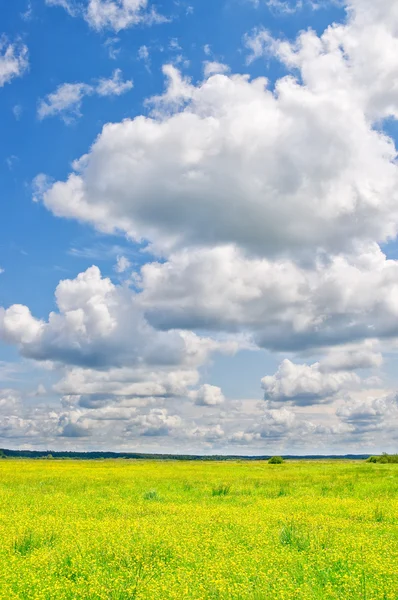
119,530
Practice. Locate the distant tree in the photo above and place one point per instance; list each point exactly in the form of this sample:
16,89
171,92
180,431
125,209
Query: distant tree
276,460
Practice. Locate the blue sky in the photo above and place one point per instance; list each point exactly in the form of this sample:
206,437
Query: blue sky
228,256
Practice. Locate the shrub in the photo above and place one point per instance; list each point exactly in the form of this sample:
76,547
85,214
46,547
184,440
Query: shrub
276,460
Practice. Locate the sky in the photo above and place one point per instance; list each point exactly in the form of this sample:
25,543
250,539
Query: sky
198,230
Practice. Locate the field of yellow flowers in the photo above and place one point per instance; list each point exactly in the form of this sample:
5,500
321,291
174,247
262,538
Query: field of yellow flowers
159,530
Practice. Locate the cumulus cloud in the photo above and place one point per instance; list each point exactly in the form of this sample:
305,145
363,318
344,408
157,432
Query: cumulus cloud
370,414
304,385
14,60
156,423
208,395
236,162
267,204
284,305
273,425
356,59
98,324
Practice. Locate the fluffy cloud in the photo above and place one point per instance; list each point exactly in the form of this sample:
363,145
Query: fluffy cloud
99,325
67,99
156,423
208,395
285,306
304,385
275,425
111,14
239,163
363,356
370,414
357,60
14,61
267,204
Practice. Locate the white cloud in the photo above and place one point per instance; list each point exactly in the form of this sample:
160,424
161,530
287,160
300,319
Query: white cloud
122,264
14,60
267,206
285,7
65,101
290,7
109,358
111,45
352,358
17,111
208,395
156,423
115,86
356,59
1,270
214,68
98,325
28,13
304,385
120,14
285,306
11,161
143,54
250,162
111,14
370,414
69,5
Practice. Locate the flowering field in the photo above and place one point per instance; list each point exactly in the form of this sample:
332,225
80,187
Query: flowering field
159,530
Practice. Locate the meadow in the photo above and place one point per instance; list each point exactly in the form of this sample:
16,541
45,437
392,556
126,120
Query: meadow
234,530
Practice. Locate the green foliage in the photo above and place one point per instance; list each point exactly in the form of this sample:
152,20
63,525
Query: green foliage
379,515
26,543
384,459
276,460
221,490
151,495
295,536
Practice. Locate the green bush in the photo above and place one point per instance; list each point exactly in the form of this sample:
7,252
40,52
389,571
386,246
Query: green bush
384,459
276,460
